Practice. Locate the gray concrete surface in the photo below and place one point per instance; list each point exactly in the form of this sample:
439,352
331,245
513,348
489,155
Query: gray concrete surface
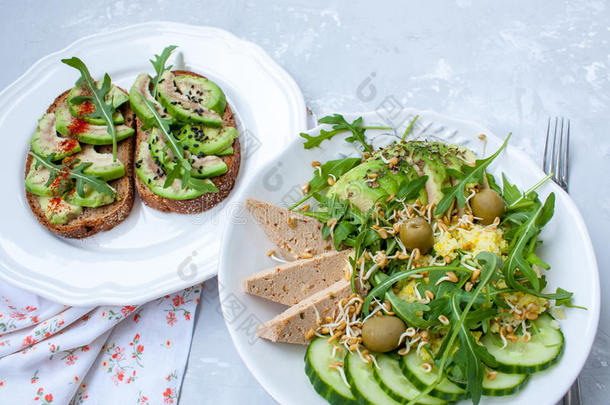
505,64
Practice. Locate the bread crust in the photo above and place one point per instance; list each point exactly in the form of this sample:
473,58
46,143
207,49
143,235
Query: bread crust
224,183
94,220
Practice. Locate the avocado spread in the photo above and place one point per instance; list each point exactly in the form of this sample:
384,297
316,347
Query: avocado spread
67,173
183,130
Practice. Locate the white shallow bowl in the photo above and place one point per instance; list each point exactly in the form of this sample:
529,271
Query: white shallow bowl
150,253
280,367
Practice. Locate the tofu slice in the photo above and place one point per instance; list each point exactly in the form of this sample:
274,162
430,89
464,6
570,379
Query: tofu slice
289,283
295,235
292,325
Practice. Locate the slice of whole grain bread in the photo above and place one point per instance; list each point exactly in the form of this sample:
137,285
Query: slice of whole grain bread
94,220
224,183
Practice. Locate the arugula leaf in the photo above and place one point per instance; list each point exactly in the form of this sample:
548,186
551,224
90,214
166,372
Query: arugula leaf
409,128
159,65
510,192
525,199
103,109
339,125
319,182
547,211
408,311
386,284
520,250
182,170
516,258
492,184
466,358
470,360
468,174
76,174
410,190
342,230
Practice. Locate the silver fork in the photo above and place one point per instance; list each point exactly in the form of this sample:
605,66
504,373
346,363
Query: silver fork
556,150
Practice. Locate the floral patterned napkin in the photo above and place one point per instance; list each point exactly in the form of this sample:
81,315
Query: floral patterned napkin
55,354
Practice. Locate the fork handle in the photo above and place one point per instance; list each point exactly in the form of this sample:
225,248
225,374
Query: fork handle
572,397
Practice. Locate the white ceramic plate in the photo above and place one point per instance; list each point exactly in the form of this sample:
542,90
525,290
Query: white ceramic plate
280,367
151,253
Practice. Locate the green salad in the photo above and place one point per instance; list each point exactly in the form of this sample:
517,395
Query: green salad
449,298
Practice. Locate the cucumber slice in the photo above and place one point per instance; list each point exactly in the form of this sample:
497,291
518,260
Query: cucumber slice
361,379
504,384
411,366
541,352
326,381
391,379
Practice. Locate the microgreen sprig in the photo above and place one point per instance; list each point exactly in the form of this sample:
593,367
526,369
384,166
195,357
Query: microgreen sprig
183,167
103,109
76,173
159,65
340,124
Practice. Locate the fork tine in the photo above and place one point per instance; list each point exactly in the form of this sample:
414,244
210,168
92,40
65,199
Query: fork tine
545,158
555,155
559,173
565,156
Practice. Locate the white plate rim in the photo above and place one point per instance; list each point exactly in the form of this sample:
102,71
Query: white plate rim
103,294
231,228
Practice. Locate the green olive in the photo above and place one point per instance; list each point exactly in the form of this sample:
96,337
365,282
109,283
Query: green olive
417,233
487,205
381,333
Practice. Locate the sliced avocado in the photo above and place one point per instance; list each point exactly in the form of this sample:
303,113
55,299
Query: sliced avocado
355,186
226,151
189,107
203,166
203,91
103,165
154,177
139,92
391,179
92,198
208,166
199,139
82,110
426,160
157,145
68,125
59,211
455,155
37,179
45,140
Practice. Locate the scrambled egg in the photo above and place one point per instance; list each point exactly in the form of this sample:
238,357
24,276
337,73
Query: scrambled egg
407,292
476,239
523,301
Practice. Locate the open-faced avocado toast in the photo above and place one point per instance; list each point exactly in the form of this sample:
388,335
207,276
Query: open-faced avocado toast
79,171
187,148
411,275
